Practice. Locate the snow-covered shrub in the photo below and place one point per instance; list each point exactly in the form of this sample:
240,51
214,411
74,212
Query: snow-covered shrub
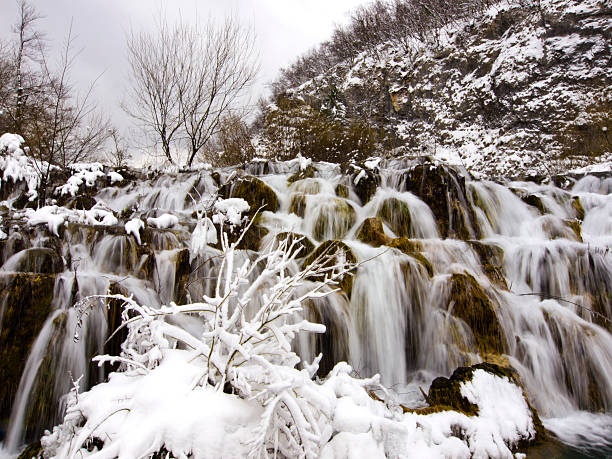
222,349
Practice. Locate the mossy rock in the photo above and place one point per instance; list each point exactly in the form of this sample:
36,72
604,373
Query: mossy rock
305,245
27,300
491,258
562,229
443,189
371,232
577,206
445,394
81,202
471,304
534,201
342,191
576,227
423,261
366,186
396,214
307,173
336,217
298,204
333,249
33,450
252,190
38,260
306,186
16,242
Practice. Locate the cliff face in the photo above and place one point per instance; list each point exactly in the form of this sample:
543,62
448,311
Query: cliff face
517,90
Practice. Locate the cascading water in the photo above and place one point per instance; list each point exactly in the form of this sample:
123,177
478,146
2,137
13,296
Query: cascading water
529,284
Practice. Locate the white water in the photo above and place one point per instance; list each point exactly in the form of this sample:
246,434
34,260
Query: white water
398,321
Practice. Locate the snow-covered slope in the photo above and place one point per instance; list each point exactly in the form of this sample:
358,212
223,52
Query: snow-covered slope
517,90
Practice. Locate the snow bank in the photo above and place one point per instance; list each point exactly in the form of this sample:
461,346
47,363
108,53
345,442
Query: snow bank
164,221
230,211
133,227
162,409
84,173
55,217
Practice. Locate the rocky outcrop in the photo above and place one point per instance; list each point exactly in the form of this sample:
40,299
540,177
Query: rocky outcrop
335,218
445,394
252,190
470,303
25,303
442,188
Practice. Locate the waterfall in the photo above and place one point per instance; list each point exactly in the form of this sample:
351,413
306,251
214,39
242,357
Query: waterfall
461,271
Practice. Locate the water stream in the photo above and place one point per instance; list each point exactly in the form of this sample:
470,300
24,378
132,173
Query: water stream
538,265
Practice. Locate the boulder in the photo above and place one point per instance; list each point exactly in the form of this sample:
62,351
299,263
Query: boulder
298,204
491,258
470,303
336,216
396,214
443,189
308,172
365,182
445,394
26,301
371,232
306,186
253,191
342,191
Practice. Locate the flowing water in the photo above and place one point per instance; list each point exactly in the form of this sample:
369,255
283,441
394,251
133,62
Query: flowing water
535,261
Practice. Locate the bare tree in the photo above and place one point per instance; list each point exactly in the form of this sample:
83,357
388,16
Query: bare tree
29,45
119,155
67,127
186,77
154,79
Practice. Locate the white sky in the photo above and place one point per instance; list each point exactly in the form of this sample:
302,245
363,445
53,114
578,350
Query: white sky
284,28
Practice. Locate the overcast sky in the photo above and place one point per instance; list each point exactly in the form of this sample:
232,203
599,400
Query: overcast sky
284,28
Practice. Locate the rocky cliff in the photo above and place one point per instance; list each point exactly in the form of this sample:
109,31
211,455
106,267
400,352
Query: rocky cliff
521,88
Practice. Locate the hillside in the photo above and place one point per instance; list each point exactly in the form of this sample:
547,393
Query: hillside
518,89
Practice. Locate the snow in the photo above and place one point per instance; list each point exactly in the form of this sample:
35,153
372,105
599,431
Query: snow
304,162
230,211
17,166
133,227
503,413
204,234
164,221
52,216
84,173
143,414
55,217
372,163
115,177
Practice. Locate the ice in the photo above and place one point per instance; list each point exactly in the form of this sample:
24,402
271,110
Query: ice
133,227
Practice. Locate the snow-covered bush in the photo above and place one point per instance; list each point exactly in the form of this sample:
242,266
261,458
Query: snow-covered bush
221,349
